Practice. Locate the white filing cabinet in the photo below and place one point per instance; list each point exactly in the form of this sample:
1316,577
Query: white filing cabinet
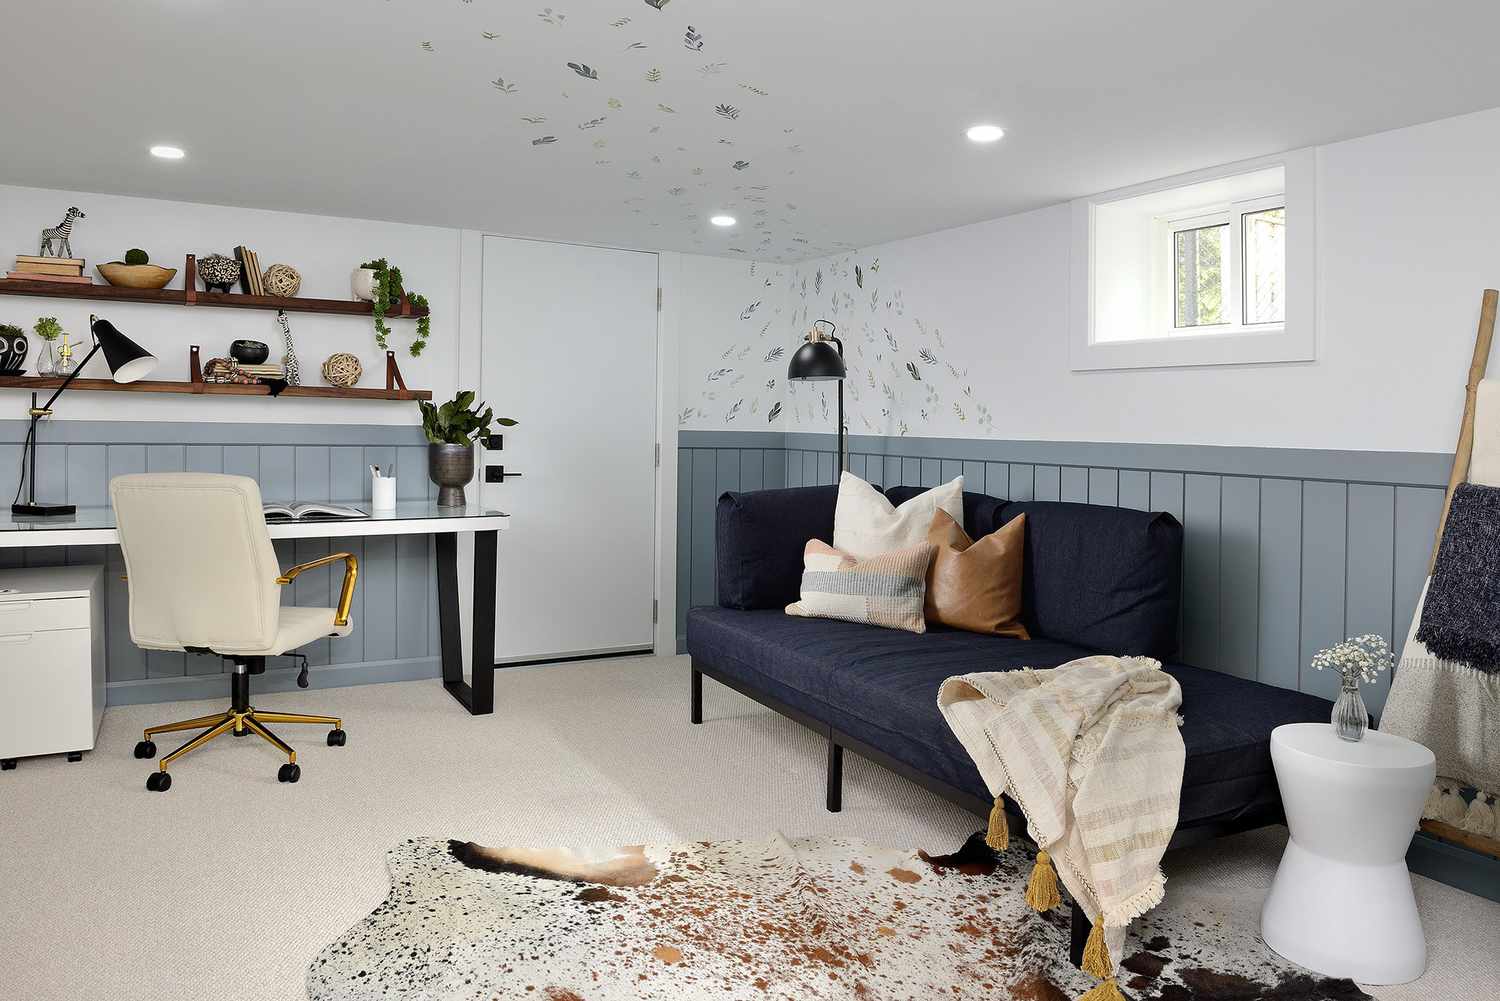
51,661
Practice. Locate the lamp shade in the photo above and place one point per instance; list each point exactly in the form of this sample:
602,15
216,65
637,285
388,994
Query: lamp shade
816,361
127,360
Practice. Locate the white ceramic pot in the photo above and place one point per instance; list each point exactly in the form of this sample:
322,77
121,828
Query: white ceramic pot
362,284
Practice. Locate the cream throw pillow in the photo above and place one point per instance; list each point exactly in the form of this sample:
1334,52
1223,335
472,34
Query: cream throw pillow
866,524
885,590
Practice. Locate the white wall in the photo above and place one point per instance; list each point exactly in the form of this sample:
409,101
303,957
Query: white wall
323,249
1406,237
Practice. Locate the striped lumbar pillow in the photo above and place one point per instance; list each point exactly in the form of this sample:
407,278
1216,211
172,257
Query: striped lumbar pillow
885,590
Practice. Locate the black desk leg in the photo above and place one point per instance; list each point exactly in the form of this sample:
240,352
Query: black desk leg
478,698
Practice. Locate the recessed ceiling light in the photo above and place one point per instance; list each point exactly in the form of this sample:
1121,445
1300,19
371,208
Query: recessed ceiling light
167,152
985,133
721,220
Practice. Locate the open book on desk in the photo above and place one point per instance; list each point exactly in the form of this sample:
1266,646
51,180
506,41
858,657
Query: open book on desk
311,511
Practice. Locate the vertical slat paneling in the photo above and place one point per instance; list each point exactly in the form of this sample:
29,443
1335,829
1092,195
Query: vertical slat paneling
1075,484
1166,493
1325,508
752,468
1280,592
828,468
949,469
810,468
347,481
1239,575
348,476
685,538
775,469
1022,482
1200,571
931,472
705,475
278,472
1371,567
88,475
378,582
1135,489
204,458
1104,487
857,466
165,459
893,468
243,460
413,589
976,478
1046,483
412,481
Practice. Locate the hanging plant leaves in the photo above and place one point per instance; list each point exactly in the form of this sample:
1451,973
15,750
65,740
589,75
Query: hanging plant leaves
740,164
584,70
693,39
544,140
728,111
775,413
653,75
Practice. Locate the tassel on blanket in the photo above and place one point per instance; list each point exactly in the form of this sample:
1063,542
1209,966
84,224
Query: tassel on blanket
1096,955
998,836
1041,890
1106,991
1452,809
1481,816
1434,802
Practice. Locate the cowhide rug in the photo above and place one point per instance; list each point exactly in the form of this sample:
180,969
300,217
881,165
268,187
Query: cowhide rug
793,920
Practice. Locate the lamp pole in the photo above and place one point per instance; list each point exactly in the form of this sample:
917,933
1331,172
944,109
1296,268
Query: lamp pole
37,413
843,437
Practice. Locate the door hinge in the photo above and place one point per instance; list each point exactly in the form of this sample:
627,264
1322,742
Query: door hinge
655,610
658,299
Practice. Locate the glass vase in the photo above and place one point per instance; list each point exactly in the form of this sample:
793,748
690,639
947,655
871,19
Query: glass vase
45,364
1350,718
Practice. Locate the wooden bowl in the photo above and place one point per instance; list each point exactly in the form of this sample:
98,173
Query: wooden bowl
135,275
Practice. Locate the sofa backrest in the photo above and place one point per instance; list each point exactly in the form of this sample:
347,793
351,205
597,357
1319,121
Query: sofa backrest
1109,578
760,537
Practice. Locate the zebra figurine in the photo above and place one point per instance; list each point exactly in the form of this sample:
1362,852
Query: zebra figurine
59,234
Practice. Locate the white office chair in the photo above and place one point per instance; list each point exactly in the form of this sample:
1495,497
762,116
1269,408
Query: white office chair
204,578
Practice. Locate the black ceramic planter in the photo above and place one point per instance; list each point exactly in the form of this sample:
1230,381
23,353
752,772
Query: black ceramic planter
451,467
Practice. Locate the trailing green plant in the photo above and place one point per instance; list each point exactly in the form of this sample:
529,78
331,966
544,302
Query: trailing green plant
136,255
48,328
10,330
388,290
458,422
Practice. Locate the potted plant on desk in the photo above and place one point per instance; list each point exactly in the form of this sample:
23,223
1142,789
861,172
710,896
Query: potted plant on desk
452,430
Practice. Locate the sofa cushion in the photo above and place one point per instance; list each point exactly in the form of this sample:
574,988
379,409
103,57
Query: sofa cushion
981,511
880,687
976,585
866,523
1107,578
884,590
760,537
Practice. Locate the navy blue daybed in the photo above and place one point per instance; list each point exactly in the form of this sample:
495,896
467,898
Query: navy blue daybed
1097,579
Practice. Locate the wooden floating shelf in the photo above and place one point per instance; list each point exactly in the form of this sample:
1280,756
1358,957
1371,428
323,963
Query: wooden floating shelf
190,296
210,388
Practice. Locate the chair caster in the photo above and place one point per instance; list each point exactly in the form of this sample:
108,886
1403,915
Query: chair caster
289,773
8,765
336,738
75,756
145,749
159,781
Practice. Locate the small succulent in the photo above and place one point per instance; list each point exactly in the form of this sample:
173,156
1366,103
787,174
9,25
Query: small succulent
458,422
137,256
48,328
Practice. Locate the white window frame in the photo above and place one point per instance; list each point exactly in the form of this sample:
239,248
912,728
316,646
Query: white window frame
1232,343
1231,266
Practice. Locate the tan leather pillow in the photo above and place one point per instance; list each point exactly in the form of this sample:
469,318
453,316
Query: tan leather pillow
976,586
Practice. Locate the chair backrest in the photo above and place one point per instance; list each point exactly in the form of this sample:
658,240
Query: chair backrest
201,567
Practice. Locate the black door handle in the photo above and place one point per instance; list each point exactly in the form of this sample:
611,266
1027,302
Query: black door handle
496,474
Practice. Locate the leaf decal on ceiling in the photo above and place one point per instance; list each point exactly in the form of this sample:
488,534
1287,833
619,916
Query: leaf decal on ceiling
774,413
728,111
544,140
653,75
911,369
427,47
740,164
584,70
503,85
534,119
490,36
551,16
658,4
693,39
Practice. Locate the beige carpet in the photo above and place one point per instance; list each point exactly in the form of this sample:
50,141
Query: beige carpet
229,884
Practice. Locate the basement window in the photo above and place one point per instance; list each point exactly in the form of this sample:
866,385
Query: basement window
1197,271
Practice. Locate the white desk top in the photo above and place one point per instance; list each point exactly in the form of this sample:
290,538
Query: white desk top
95,526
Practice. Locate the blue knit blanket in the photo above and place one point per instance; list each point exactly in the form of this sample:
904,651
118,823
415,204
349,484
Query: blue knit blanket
1461,617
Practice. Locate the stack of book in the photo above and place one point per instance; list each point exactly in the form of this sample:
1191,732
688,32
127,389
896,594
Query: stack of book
270,371
250,274
64,270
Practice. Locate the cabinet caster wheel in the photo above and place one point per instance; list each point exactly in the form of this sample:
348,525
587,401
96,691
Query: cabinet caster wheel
145,749
289,773
336,738
8,765
158,781
75,756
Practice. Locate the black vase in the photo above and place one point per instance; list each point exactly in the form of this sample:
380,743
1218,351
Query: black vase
451,467
249,352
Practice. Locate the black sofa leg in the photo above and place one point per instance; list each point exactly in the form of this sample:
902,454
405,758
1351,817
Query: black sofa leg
835,776
697,709
1080,926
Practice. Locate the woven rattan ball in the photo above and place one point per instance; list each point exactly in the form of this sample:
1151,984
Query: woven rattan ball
342,370
282,279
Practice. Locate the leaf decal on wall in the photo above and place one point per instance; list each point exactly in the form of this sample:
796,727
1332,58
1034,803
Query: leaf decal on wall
584,70
502,85
677,192
774,413
960,412
728,111
658,4
693,39
663,107
734,409
770,383
710,69
534,119
427,47
818,282
773,355
911,370
755,90
619,22
745,313
593,123
720,373
551,16
653,75
614,103
490,36
544,140
740,164
927,357
635,45
859,276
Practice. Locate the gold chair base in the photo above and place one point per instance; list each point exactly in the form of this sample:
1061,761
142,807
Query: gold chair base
251,720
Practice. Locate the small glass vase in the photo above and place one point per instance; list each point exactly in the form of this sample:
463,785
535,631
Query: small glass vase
1350,718
45,364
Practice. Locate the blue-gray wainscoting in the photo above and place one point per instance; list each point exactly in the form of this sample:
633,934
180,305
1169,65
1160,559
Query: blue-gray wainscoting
395,605
1286,550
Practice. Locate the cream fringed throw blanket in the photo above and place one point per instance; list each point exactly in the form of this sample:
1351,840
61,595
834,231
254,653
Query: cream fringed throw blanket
1091,753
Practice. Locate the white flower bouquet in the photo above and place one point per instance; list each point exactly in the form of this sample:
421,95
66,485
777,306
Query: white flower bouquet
1360,658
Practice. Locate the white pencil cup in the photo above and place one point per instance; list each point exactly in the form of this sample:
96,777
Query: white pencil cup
382,492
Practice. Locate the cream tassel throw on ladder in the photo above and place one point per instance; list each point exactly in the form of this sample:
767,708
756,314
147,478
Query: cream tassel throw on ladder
1091,753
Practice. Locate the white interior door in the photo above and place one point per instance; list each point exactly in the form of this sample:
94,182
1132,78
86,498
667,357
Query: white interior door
570,351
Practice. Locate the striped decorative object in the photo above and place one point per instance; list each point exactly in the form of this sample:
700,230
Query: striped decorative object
885,590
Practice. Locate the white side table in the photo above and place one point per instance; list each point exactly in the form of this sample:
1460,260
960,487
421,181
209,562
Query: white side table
1341,903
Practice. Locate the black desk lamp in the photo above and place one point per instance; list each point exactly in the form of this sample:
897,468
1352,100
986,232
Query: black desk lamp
821,359
127,361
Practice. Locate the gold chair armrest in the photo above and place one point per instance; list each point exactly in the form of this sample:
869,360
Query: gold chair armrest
351,574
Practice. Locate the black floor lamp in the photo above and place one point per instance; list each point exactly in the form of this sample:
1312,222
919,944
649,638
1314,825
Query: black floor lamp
821,359
127,361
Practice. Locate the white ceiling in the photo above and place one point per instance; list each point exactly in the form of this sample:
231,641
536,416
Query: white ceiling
849,114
